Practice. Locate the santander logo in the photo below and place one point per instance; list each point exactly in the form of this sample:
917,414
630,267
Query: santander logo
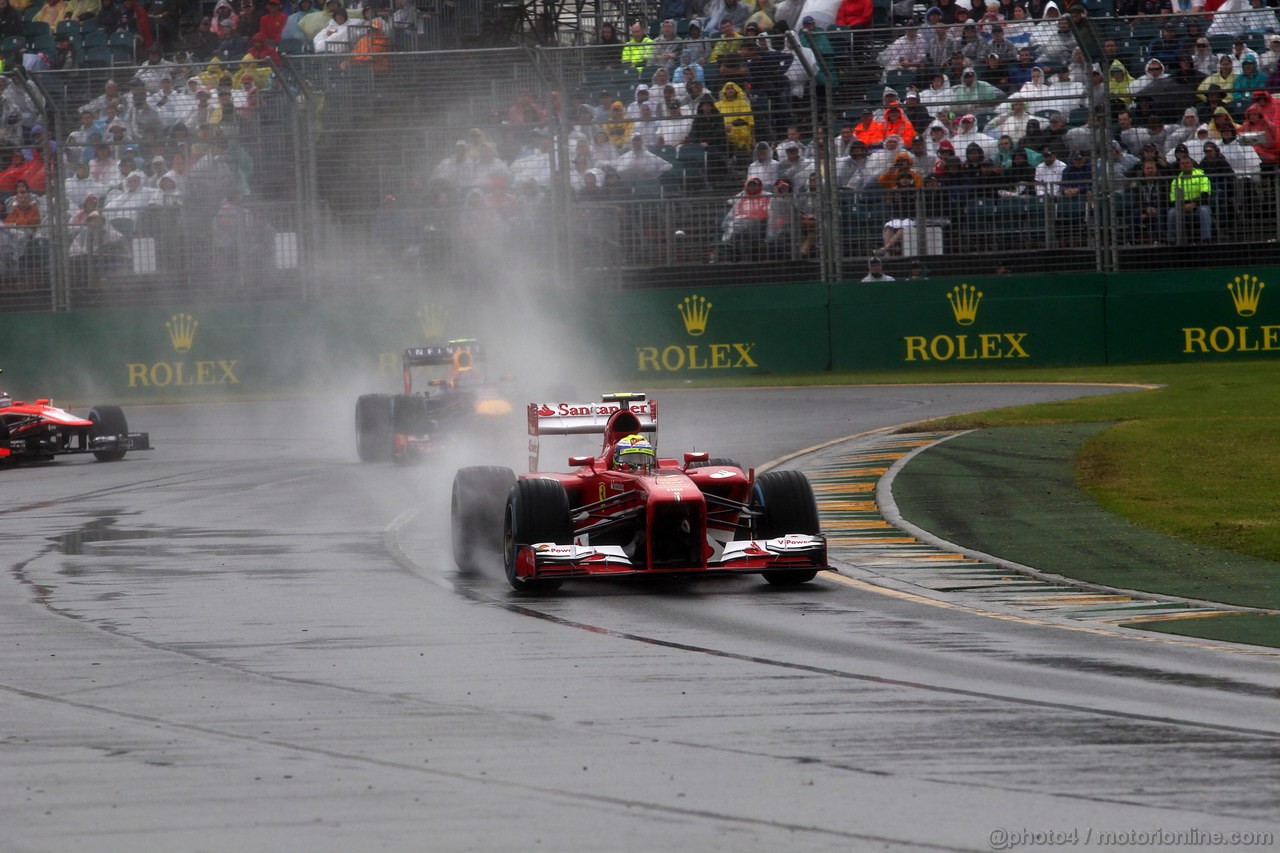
545,410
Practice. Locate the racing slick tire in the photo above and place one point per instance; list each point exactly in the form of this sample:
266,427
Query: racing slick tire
410,415
476,511
786,504
373,427
537,511
108,420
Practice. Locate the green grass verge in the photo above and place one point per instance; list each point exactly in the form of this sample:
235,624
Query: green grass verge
1198,459
1255,629
1012,492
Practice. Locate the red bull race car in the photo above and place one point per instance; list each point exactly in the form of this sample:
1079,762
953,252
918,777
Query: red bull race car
39,431
628,511
458,395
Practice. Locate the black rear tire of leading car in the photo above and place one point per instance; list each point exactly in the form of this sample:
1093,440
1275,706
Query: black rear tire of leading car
410,416
537,511
108,420
786,503
476,512
373,427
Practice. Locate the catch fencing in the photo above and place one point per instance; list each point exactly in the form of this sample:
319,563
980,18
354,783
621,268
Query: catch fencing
344,173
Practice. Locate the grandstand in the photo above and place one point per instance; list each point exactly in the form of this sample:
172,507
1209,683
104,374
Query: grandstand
298,173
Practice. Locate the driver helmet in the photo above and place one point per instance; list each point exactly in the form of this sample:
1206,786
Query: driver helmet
634,452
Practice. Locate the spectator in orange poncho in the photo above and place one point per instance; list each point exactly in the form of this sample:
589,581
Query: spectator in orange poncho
868,129
895,122
13,172
24,209
372,48
900,175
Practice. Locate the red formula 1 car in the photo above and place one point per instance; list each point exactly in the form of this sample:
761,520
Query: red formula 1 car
457,398
39,431
628,512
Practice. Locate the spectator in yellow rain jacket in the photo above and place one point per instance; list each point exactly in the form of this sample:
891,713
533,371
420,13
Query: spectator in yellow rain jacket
739,123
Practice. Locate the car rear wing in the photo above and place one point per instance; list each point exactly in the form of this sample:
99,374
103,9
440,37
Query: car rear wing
442,353
587,418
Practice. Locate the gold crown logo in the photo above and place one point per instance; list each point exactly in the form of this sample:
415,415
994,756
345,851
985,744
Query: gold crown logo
182,331
964,301
432,319
1246,290
694,310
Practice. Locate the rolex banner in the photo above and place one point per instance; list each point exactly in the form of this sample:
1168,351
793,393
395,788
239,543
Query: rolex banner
1196,315
220,352
984,321
714,331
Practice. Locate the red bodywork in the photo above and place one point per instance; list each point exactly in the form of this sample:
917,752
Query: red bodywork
36,432
674,519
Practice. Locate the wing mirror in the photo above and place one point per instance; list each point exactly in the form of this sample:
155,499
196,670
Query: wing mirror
583,461
695,456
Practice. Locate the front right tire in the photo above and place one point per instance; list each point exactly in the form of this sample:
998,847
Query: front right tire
108,420
476,513
537,511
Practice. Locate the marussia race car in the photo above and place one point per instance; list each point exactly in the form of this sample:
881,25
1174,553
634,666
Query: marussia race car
36,432
405,427
610,519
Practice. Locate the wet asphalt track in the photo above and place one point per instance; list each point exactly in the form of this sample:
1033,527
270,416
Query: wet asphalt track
245,640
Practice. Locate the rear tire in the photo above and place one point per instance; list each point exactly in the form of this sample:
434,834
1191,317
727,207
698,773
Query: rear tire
537,511
409,416
786,504
476,513
108,420
373,427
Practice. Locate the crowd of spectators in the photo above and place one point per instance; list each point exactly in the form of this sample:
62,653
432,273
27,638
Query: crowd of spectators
1023,109
174,146
936,118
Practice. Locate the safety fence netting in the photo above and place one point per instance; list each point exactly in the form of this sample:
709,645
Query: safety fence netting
1070,143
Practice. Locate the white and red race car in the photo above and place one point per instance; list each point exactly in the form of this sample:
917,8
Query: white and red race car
39,431
694,516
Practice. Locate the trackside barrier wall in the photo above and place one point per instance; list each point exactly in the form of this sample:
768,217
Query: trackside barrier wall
221,352
990,320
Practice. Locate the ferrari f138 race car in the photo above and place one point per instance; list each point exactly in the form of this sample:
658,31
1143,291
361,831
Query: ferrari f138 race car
629,512
458,395
39,431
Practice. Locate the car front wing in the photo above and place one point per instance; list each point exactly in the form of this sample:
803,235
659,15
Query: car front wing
795,551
